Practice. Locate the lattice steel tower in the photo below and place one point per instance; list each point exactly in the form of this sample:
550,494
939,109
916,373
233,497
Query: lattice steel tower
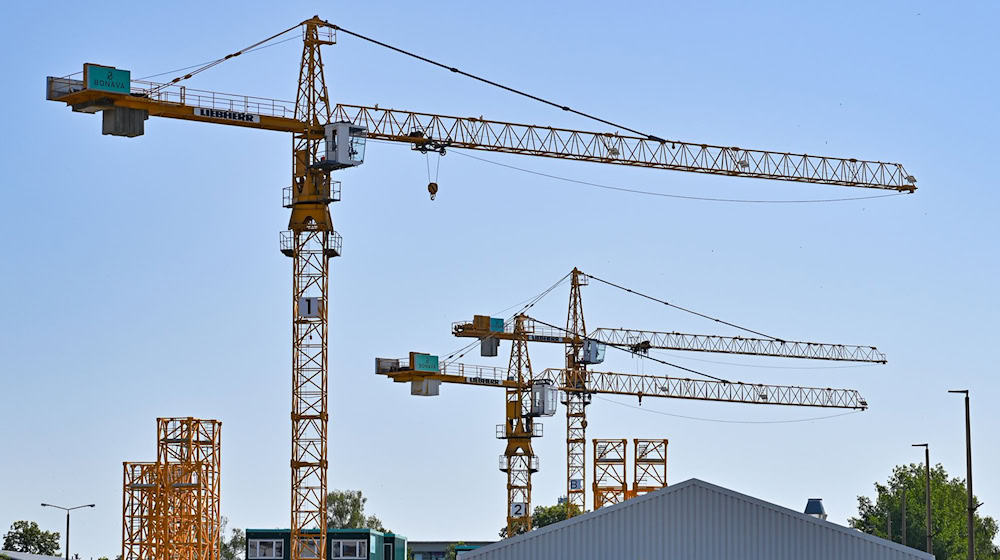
310,241
610,485
519,460
170,508
576,400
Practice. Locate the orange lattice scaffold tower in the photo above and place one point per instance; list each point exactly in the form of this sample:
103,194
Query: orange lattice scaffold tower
170,508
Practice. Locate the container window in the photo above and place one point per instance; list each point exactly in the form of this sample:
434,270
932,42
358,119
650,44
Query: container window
348,550
272,549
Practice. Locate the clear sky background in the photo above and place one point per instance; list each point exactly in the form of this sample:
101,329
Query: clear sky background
142,277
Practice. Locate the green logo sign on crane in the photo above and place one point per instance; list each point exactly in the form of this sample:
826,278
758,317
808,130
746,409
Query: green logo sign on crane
425,362
107,78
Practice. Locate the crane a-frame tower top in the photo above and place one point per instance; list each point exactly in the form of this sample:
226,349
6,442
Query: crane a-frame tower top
328,137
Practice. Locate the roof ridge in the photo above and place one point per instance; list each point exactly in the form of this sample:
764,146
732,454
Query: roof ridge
698,483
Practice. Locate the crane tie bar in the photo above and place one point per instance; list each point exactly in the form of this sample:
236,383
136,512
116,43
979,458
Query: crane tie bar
499,85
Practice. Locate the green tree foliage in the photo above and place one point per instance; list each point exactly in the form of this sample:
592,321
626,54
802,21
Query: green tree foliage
545,515
25,536
452,554
235,547
948,514
345,509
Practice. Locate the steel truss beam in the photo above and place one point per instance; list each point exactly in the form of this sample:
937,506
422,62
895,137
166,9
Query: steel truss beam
641,341
612,383
498,136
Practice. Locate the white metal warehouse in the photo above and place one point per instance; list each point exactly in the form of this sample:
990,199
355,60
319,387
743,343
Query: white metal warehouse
691,521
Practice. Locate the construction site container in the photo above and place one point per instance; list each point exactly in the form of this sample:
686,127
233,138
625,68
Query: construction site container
341,544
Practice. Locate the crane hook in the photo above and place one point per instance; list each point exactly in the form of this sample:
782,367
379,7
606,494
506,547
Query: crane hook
432,188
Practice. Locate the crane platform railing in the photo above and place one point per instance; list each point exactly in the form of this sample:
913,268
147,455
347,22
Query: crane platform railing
531,329
184,96
456,369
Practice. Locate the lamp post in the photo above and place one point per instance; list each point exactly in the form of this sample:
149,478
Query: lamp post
970,501
902,505
927,492
67,510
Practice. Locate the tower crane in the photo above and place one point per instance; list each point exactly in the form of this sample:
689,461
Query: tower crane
583,349
530,395
328,137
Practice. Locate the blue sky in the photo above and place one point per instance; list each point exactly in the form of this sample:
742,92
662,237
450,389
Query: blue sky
142,277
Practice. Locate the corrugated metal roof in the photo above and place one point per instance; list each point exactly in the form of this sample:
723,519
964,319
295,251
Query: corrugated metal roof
694,520
28,555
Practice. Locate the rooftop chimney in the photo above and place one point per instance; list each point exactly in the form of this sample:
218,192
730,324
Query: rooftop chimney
814,507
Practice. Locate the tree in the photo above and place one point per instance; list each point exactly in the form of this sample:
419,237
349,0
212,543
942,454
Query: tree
25,536
452,553
545,515
345,509
948,514
236,546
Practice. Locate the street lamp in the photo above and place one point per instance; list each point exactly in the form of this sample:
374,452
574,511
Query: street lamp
927,492
67,510
970,501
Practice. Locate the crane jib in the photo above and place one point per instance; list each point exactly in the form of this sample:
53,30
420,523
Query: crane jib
226,115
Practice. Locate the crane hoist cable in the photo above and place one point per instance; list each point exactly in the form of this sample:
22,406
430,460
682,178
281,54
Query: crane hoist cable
759,366
722,420
670,195
432,186
686,310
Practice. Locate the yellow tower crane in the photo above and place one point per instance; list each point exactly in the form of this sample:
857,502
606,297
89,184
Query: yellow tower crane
530,395
328,137
585,348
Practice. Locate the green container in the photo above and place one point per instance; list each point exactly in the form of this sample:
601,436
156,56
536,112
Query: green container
496,325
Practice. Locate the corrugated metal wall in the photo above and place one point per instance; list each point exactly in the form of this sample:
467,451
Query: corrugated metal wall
691,521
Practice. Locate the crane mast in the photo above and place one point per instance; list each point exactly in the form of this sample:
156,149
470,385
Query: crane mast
576,400
310,241
519,460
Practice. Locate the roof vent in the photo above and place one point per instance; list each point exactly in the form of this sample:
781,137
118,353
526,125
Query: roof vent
814,507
